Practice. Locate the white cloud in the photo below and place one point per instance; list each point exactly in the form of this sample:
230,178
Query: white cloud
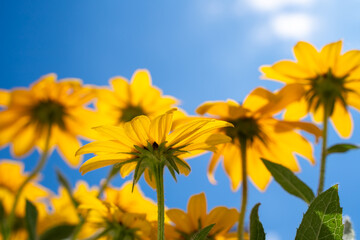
272,236
274,5
293,25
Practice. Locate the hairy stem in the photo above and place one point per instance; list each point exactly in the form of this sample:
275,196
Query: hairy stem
244,189
160,200
323,151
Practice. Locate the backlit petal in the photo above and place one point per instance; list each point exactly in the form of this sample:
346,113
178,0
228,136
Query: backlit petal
68,145
161,126
197,209
342,120
308,57
181,220
330,54
103,161
347,62
140,83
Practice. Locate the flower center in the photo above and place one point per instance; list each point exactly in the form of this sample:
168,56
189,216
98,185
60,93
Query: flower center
131,112
48,112
245,128
325,90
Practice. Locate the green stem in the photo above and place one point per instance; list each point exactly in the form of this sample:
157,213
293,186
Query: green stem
33,174
323,151
160,200
244,189
114,170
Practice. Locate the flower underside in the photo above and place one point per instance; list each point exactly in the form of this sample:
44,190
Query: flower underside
131,112
245,128
48,112
190,236
121,232
154,155
325,90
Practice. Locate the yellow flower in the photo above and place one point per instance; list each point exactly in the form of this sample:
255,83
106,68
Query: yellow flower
11,178
326,78
196,218
64,211
132,201
140,142
27,114
128,100
118,224
266,136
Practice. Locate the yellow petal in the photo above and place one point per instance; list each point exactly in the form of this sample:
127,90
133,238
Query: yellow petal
4,97
193,132
272,74
126,169
229,109
223,218
182,169
330,54
289,126
103,147
308,57
140,83
181,220
342,120
214,161
296,110
103,161
118,133
121,88
68,145
207,141
24,141
232,165
141,126
150,180
161,126
197,209
293,70
347,63
257,172
258,98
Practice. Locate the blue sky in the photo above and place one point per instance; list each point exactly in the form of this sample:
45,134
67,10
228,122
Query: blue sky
196,50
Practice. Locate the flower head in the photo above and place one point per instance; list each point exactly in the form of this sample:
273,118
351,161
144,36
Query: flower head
265,136
326,79
28,114
128,100
196,218
142,143
119,224
64,210
11,178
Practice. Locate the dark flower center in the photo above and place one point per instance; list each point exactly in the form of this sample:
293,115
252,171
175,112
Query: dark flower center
131,112
48,112
245,128
325,90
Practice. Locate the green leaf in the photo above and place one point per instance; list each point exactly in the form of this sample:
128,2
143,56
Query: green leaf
323,219
256,228
31,215
202,234
340,148
65,183
59,232
349,233
289,181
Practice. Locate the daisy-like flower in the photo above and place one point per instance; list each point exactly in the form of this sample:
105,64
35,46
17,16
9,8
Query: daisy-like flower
127,99
64,211
266,136
257,134
196,218
149,146
11,177
110,222
28,115
330,83
134,202
328,79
